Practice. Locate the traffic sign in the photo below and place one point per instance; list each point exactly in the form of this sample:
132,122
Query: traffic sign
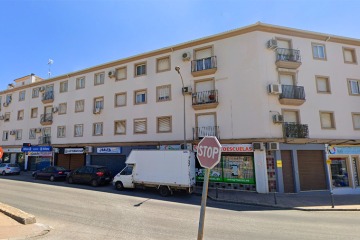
209,152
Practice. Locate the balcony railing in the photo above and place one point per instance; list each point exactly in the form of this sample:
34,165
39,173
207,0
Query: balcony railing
46,119
204,66
205,99
292,95
200,132
295,130
288,58
48,97
45,140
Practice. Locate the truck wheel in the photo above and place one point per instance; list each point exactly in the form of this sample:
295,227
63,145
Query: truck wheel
164,191
119,186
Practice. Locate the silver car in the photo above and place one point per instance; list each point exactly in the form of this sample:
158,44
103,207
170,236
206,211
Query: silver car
9,168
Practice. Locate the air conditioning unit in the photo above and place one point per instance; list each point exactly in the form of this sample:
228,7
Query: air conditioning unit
88,149
2,117
187,90
258,146
278,118
97,110
12,132
186,56
41,89
275,88
38,130
273,146
5,104
272,44
55,109
111,73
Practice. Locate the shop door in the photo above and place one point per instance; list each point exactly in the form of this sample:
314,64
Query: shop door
115,163
311,170
287,169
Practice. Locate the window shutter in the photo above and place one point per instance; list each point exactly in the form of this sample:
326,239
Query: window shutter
356,121
164,124
121,73
326,120
203,53
322,84
120,127
164,93
140,126
348,56
163,64
120,100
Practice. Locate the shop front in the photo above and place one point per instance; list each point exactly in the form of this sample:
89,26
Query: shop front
70,158
344,168
13,155
111,157
37,157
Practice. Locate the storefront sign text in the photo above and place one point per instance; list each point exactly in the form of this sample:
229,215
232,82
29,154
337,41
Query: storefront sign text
233,148
73,151
108,150
343,150
12,150
37,149
44,154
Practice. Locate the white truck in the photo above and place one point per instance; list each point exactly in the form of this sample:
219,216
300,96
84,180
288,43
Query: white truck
165,170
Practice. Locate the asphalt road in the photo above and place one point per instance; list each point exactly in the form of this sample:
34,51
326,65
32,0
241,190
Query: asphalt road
84,212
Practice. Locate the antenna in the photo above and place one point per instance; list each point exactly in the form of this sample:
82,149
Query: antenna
50,62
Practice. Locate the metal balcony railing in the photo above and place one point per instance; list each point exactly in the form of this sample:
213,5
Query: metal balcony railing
295,130
288,55
49,95
45,140
205,97
203,64
47,117
200,132
292,92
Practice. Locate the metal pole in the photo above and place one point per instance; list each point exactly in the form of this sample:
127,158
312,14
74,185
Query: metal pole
203,204
328,176
182,90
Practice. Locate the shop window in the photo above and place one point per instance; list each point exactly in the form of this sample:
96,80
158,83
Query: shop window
355,163
339,172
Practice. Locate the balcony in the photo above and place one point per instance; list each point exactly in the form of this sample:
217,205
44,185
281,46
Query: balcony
205,100
200,132
204,66
288,58
292,95
48,97
46,119
295,130
45,140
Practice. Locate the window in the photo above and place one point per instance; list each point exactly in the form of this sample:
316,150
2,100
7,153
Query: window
327,120
322,84
287,78
99,78
356,120
80,83
163,64
291,116
79,105
18,134
140,69
20,115
120,127
98,104
349,55
7,117
121,73
8,98
32,133
5,135
35,92
163,93
339,172
21,96
98,129
140,126
318,51
34,112
61,131
140,96
164,124
354,86
62,108
64,86
78,130
120,99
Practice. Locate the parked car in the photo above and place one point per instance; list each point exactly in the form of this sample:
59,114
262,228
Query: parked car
52,173
9,168
93,174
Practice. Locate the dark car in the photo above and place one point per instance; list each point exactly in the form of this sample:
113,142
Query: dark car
52,173
93,174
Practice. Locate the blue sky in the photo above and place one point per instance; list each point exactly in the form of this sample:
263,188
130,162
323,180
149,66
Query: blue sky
78,34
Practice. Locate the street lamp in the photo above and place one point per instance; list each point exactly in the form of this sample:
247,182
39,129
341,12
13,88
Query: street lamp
177,68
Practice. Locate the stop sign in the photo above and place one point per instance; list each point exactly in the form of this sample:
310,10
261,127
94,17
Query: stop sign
209,152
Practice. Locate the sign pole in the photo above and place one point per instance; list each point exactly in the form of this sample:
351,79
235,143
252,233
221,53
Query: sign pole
203,204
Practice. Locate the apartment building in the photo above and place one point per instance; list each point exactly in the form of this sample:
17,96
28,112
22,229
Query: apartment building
284,103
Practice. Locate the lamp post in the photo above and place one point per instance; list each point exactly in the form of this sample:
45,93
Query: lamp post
177,68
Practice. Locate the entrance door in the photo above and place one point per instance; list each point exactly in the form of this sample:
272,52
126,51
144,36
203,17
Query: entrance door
203,90
206,125
287,169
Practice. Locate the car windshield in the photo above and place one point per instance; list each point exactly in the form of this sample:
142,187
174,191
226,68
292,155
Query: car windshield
60,168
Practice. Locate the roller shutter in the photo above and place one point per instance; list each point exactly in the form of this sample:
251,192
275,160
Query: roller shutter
287,169
71,161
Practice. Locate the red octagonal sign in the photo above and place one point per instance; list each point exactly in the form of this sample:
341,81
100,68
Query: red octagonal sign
209,152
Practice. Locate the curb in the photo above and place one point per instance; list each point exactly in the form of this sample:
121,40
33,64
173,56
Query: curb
17,214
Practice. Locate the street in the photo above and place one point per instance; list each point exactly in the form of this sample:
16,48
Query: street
84,212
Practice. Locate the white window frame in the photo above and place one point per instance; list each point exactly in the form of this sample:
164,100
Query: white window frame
158,64
140,121
32,133
327,83
163,93
142,69
332,120
99,78
80,105
62,108
354,87
34,112
20,115
78,130
138,99
80,83
63,86
5,136
316,51
160,121
35,92
118,70
22,95
122,94
61,131
98,129
98,103
356,122
120,127
18,134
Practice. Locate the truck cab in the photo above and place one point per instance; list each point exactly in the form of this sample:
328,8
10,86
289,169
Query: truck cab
124,179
